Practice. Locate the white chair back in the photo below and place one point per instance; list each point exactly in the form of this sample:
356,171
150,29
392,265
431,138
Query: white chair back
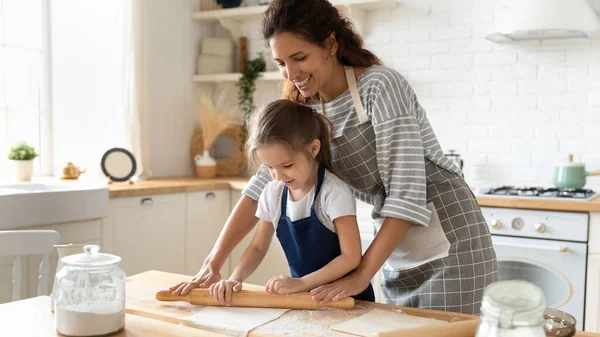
29,242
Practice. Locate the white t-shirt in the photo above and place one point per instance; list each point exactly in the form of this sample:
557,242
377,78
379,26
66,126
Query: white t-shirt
335,200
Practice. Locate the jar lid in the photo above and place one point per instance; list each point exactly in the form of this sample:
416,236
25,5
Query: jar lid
514,303
91,258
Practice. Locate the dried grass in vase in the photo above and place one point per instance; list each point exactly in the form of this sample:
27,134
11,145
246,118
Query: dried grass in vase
212,121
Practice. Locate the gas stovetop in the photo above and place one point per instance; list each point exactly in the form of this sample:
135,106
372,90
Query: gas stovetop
542,192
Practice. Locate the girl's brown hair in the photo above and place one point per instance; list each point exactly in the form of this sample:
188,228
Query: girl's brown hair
293,124
315,21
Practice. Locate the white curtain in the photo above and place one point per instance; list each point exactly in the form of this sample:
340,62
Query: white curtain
98,81
134,99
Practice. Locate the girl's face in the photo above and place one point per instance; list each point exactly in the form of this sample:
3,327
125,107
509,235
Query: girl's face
296,169
307,65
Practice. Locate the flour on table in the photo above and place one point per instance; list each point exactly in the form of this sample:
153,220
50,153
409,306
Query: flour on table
232,321
377,321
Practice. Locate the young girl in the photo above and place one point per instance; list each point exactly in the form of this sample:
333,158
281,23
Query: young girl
312,212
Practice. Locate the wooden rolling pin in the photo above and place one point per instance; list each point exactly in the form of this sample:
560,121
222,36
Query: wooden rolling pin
256,299
465,328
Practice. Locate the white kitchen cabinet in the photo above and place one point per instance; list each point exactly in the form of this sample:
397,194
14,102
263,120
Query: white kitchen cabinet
206,215
592,298
592,284
89,231
274,262
148,232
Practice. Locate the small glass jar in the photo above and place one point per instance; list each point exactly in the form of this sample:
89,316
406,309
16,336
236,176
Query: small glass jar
511,309
90,294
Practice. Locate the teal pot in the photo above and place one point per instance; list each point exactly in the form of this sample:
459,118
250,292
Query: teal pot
571,175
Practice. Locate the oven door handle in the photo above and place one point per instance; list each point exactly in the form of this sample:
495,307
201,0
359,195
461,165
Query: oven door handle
554,249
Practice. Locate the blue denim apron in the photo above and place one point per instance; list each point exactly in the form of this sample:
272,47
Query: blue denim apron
308,244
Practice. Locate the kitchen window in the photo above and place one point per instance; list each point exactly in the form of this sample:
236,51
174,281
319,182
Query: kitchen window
24,79
66,81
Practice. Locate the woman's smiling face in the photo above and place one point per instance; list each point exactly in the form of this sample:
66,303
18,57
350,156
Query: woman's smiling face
306,64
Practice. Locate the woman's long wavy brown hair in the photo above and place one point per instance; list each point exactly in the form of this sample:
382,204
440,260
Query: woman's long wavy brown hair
315,21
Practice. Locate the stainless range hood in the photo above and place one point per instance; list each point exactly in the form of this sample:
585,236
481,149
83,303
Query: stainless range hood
544,19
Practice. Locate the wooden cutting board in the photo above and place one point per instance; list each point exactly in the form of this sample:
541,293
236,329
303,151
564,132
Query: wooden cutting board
141,290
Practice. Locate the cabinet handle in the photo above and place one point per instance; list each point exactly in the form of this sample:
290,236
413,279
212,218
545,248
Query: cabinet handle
146,201
210,196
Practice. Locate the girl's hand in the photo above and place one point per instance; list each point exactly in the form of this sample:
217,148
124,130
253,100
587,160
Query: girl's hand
350,285
222,290
205,277
285,285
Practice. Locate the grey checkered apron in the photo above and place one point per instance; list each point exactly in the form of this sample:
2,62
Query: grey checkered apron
453,283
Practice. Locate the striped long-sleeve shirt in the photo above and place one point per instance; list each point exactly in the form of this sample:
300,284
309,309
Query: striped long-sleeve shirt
383,159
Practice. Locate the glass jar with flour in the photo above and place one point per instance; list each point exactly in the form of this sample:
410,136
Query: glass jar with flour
89,297
512,309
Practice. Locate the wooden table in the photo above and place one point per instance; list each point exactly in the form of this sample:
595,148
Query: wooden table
32,318
147,317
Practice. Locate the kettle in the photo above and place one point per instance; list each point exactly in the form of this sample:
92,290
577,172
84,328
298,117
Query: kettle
71,171
455,157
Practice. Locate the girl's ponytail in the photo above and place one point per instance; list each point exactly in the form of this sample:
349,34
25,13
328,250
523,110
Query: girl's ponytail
324,156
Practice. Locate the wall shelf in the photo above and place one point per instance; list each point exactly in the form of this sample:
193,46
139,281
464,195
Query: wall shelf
233,77
233,18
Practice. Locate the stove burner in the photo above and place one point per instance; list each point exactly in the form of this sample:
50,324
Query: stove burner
574,193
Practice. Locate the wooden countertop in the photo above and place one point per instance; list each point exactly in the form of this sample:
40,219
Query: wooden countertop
150,318
190,184
543,204
174,185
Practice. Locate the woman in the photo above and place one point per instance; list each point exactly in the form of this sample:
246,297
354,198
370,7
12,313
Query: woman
431,238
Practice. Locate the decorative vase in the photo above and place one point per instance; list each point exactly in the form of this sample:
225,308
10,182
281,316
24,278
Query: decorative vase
206,166
23,169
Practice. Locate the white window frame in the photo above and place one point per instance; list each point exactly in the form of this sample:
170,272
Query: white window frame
46,139
45,126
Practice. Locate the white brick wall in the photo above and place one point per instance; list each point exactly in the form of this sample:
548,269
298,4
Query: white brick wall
511,110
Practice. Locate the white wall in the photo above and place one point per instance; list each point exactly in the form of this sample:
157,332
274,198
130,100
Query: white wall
511,110
171,46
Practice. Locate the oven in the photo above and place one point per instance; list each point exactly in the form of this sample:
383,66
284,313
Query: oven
546,248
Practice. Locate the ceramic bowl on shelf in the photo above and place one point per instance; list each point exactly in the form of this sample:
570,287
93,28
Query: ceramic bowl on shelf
229,3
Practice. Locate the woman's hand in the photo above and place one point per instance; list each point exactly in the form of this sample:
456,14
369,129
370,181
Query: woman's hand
350,285
222,290
285,285
205,277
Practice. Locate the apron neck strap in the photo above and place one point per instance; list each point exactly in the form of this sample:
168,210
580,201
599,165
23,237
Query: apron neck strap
351,79
284,194
321,176
360,110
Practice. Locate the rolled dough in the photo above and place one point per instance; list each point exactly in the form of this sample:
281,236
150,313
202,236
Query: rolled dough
381,320
233,321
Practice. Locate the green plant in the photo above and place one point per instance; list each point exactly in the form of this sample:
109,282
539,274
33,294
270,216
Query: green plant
247,86
22,151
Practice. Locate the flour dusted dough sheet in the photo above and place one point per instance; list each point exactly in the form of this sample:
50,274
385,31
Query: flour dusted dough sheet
233,321
380,320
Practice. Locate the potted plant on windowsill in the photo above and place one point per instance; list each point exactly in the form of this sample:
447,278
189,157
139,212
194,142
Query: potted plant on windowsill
22,155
